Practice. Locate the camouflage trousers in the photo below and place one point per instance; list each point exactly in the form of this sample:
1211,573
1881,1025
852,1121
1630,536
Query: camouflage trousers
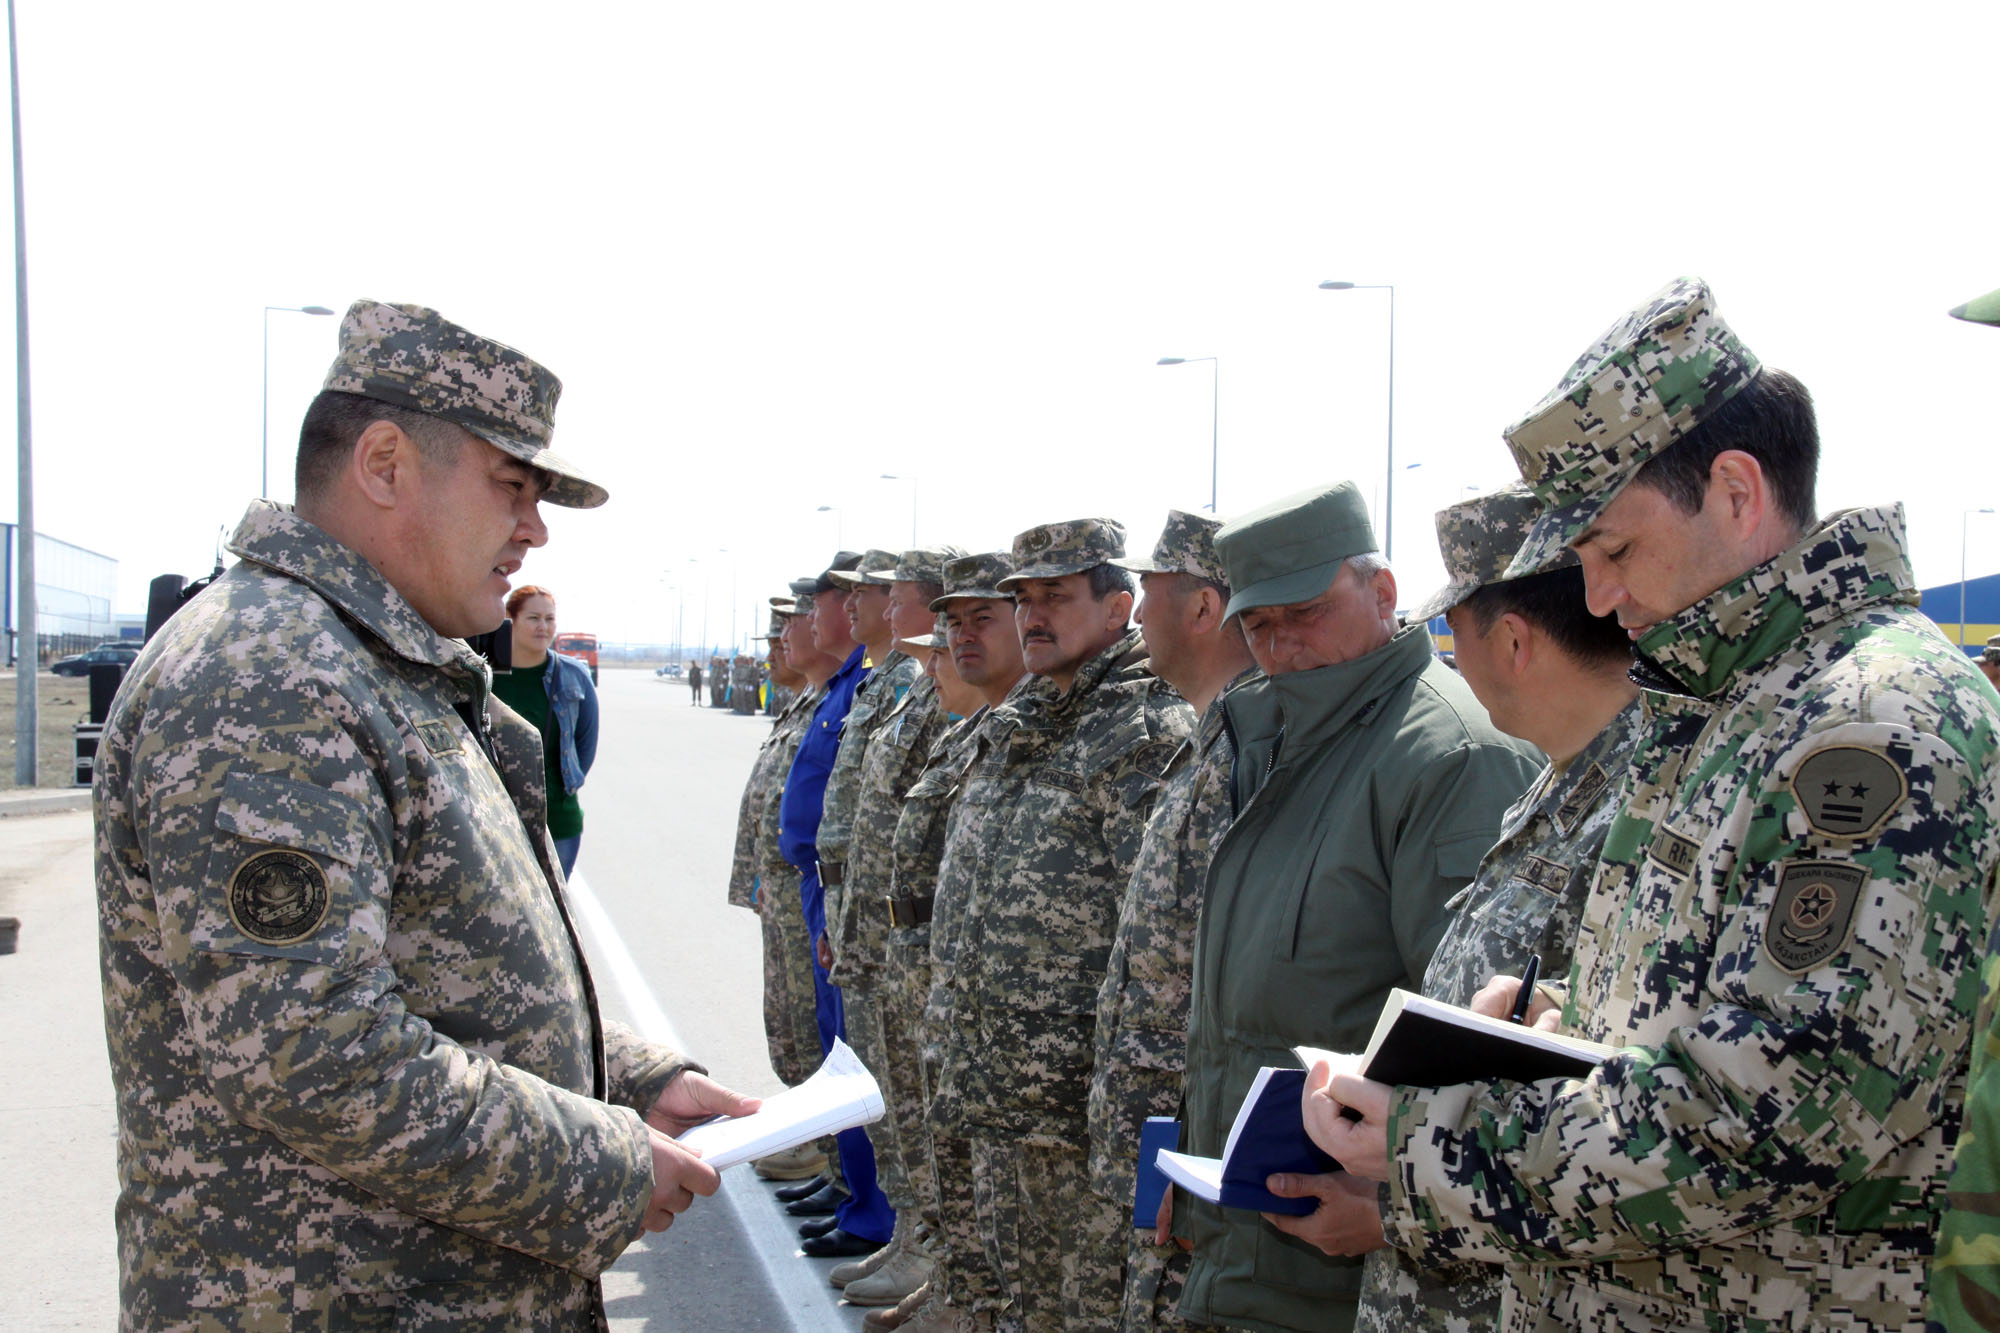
1398,1293
963,1272
791,1032
1154,1276
861,1006
1056,1245
906,985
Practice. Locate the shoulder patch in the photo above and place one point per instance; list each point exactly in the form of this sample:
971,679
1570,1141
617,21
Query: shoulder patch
1581,800
439,737
1811,916
1848,791
278,896
1551,877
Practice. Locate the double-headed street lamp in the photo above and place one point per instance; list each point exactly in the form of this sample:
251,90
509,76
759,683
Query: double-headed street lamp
1389,471
891,476
1214,414
264,481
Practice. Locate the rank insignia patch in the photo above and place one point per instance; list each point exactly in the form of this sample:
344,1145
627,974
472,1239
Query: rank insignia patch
1845,791
278,897
1812,913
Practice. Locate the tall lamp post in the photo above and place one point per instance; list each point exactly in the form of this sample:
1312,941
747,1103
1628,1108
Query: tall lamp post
1389,471
1963,516
1214,414
891,476
27,641
264,478
839,524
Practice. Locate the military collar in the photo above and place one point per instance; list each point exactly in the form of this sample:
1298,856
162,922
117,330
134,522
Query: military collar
1043,706
1213,719
274,536
1857,558
1312,705
1576,790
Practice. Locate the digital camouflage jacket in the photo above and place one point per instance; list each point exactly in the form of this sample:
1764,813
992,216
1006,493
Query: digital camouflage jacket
1783,938
359,1069
757,812
1063,804
899,743
880,690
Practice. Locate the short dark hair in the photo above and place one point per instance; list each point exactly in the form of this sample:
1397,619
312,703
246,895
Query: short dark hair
1107,579
1771,419
1553,602
335,421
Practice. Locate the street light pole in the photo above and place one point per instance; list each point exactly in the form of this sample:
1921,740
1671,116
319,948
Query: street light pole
891,476
1389,471
839,524
1963,516
1214,415
27,640
264,479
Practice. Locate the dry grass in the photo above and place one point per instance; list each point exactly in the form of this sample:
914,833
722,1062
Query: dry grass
61,701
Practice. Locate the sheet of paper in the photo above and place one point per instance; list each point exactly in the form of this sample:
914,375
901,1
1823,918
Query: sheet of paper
840,1095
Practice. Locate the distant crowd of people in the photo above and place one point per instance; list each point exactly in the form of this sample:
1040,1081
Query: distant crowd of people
1702,767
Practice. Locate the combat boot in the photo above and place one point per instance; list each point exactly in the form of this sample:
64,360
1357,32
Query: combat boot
879,1321
906,1269
798,1163
935,1316
855,1269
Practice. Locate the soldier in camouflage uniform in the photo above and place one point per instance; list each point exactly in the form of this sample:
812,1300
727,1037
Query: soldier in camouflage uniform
1141,1039
1548,671
361,1077
1965,1275
978,619
760,880
1785,926
1065,804
897,742
1367,785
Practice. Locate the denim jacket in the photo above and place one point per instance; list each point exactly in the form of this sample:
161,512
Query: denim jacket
573,704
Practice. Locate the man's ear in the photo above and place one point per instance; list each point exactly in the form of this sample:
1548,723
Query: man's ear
381,462
1516,643
1118,609
1384,584
1208,608
1737,481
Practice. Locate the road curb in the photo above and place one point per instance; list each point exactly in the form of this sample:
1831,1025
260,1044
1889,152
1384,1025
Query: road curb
44,801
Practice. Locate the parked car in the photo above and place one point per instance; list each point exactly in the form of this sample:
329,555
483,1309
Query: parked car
580,646
80,663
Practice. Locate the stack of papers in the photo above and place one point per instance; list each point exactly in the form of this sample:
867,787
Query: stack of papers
841,1094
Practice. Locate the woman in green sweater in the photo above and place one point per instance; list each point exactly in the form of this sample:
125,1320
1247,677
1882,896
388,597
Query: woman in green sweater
554,693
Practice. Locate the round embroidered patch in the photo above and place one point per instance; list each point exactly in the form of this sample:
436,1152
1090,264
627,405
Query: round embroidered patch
1845,791
278,897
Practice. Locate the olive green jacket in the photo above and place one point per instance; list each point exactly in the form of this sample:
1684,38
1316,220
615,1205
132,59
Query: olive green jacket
1367,792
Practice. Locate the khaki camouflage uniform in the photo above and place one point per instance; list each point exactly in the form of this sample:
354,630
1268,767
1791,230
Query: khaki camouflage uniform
1064,806
763,881
1526,899
343,995
1783,938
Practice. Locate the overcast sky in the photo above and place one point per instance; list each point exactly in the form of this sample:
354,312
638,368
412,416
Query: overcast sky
776,251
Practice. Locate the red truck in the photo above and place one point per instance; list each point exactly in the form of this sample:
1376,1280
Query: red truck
570,643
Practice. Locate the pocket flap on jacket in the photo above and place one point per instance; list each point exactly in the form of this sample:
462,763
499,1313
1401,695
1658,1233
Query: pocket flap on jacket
285,813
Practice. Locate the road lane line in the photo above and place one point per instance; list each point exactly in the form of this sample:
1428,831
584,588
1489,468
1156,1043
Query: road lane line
798,1285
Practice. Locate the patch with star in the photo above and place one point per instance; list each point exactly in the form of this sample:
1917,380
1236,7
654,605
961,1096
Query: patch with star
278,897
1848,791
1812,914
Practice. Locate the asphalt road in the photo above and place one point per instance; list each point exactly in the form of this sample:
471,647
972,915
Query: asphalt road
668,955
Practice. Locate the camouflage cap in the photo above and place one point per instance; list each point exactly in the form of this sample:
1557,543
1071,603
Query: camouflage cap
873,562
1055,549
922,564
1186,546
1478,539
777,629
1992,653
842,562
1645,382
411,357
801,594
1289,550
1980,309
975,578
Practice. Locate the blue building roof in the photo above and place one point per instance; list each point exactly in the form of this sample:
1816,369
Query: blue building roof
1982,611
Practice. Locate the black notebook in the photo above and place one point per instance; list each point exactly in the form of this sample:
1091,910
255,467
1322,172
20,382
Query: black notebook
1426,1043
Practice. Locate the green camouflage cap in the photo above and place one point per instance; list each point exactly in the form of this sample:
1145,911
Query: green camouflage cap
1186,546
1645,382
1289,550
842,562
411,357
932,642
1478,539
874,562
801,594
923,564
1992,653
777,628
975,578
1980,309
1055,549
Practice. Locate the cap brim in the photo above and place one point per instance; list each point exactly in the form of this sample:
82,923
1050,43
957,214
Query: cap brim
567,487
912,645
1143,565
970,595
1445,598
1548,540
1980,310
1301,585
846,578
